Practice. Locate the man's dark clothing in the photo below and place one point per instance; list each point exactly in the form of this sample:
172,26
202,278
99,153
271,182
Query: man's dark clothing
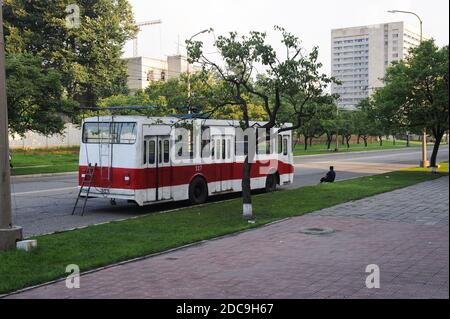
329,178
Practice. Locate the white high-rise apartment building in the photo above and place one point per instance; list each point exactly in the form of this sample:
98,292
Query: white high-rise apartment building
360,56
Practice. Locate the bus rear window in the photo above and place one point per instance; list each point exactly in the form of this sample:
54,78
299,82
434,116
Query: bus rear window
107,132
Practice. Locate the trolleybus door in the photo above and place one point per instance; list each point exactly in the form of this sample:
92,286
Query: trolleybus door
223,156
164,168
150,163
216,155
227,154
158,167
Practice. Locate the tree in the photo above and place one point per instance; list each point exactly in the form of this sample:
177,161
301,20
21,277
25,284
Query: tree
295,78
346,126
415,94
320,114
362,125
36,97
88,57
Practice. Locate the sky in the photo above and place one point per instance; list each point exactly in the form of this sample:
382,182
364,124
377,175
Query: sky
311,21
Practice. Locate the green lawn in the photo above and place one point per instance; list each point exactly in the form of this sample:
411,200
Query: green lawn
41,161
322,148
101,245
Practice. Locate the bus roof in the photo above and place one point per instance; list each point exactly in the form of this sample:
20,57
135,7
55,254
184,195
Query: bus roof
170,120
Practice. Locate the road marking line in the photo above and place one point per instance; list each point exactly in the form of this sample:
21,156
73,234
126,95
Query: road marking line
45,191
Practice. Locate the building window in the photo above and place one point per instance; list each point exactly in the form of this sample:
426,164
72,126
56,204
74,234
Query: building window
150,75
163,76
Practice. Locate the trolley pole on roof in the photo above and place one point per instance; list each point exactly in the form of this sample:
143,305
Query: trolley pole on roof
8,234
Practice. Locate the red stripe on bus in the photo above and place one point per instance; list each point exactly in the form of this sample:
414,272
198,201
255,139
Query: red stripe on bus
143,178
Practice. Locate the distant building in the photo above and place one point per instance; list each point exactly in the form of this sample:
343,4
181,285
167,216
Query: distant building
360,56
143,70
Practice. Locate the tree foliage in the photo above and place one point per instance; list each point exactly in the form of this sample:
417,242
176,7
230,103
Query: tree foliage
36,98
415,94
87,58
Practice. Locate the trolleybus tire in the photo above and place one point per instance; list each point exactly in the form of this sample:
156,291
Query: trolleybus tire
198,191
271,183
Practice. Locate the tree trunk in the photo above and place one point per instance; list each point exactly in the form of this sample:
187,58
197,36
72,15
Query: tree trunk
437,143
407,139
246,190
358,140
365,141
329,140
347,140
306,142
296,142
310,141
380,138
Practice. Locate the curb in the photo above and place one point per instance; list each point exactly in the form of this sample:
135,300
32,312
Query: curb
44,175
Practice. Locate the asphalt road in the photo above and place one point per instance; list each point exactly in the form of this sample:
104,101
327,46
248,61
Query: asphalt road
44,204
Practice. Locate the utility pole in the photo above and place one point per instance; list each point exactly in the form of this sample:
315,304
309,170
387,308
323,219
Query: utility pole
424,162
188,71
337,130
8,234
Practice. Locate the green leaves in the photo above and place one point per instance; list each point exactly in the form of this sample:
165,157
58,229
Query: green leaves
87,59
36,99
416,90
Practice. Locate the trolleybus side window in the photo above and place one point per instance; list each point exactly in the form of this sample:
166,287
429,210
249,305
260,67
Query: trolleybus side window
218,149
151,152
285,146
263,145
160,152
241,146
166,151
228,148
223,149
268,142
206,140
145,152
180,150
280,144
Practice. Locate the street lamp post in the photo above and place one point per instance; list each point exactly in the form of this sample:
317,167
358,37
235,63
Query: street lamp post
188,71
8,234
337,130
424,162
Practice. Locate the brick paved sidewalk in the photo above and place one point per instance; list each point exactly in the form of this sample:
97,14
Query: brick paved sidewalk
404,232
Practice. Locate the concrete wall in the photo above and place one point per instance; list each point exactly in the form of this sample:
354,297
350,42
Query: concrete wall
70,137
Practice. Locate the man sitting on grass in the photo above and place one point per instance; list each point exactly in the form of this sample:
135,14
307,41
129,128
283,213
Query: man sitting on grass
330,177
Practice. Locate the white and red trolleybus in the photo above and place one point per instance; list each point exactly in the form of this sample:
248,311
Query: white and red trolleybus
141,159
